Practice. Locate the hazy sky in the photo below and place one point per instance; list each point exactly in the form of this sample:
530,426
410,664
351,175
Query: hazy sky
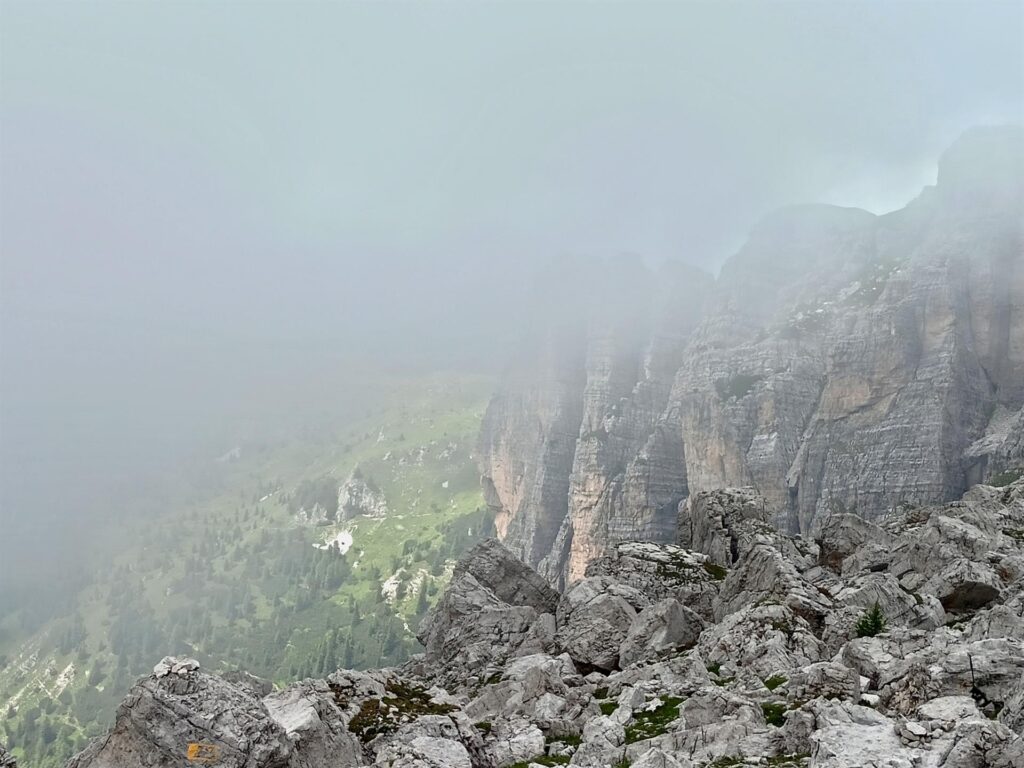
189,191
159,159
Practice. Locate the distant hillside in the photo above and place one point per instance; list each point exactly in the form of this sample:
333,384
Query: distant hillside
245,570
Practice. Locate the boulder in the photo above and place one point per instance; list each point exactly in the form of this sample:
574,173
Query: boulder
676,676
658,758
900,607
1012,713
515,740
840,535
759,641
424,752
847,734
512,581
713,704
661,571
964,585
997,621
451,726
989,670
665,626
470,628
181,714
723,523
763,573
602,745
594,617
824,680
983,744
315,725
533,686
878,658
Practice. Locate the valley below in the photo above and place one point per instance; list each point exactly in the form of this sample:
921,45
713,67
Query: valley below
266,561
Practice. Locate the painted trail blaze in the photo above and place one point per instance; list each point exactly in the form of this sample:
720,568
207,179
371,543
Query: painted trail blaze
202,753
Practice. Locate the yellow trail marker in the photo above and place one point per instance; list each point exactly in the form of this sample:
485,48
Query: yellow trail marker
202,753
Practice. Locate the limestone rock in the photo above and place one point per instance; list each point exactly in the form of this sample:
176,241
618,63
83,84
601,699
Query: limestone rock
603,741
847,734
666,625
998,621
676,676
983,744
480,623
1012,713
359,496
180,713
470,626
964,586
594,617
840,535
255,684
760,641
944,667
315,725
660,571
424,752
712,704
657,758
511,580
448,727
723,523
533,686
764,573
899,607
825,680
515,740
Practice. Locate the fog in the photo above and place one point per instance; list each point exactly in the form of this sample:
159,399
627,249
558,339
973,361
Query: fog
210,212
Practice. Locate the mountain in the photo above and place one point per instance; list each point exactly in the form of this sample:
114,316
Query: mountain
898,644
841,361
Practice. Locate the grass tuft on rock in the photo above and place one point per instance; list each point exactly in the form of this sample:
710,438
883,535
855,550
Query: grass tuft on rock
774,713
717,572
737,386
404,704
648,724
774,682
543,760
1005,478
726,761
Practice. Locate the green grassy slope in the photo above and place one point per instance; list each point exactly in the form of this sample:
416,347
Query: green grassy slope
229,575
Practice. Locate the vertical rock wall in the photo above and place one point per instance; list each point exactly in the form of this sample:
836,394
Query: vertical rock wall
841,362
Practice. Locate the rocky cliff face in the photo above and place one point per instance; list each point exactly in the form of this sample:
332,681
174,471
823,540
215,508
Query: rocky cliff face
581,409
898,643
841,362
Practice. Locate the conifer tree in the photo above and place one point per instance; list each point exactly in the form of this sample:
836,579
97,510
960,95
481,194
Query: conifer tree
871,622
